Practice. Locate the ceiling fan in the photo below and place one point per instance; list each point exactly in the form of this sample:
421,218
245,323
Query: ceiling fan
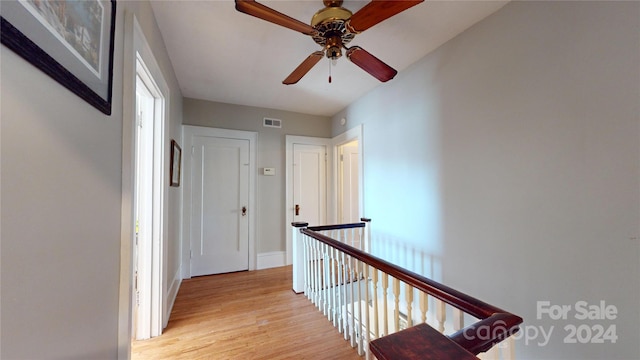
333,28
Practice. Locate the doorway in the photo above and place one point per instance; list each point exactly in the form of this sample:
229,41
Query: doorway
140,68
349,182
148,205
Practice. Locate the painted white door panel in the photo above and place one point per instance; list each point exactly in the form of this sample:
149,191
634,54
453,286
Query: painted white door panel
220,198
309,184
349,212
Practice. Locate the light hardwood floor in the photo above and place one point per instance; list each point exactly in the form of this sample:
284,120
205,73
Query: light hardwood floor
245,315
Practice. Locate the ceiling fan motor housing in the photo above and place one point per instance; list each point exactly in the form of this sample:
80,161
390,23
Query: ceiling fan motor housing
331,30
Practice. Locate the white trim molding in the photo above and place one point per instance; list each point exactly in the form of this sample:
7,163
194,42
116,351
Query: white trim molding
271,259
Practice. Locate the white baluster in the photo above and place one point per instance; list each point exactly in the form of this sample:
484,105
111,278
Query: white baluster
317,271
321,269
374,293
458,319
338,292
385,307
367,324
352,326
344,308
354,238
312,265
307,270
492,354
441,314
332,284
358,283
409,297
325,280
309,247
423,299
507,349
396,308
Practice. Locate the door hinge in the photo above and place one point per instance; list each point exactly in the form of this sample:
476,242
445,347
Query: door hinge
341,157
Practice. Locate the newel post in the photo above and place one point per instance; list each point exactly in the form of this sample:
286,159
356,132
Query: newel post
298,256
367,236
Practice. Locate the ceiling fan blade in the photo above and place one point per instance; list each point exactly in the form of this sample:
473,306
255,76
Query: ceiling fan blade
371,64
376,12
253,8
303,68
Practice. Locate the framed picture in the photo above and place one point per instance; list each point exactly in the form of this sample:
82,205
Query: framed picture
71,41
174,168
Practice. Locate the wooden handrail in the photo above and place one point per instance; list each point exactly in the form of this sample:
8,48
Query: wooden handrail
498,323
337,226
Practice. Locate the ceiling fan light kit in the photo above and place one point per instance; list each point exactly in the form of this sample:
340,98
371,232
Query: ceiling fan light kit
332,28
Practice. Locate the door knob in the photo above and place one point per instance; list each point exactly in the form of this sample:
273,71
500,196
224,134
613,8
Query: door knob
244,211
297,209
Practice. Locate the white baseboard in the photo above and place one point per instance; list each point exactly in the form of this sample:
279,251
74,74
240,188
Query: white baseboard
271,259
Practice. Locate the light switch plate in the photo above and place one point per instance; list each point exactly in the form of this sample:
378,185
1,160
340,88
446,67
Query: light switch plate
269,171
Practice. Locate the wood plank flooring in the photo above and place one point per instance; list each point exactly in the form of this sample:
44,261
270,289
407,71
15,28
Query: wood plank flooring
245,315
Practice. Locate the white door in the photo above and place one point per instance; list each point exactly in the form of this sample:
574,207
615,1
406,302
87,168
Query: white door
309,184
219,205
348,183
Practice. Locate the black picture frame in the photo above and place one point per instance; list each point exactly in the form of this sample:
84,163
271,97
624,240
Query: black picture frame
92,82
175,164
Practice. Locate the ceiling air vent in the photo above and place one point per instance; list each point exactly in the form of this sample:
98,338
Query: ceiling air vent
274,123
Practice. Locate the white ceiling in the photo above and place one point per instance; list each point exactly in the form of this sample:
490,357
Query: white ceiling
222,55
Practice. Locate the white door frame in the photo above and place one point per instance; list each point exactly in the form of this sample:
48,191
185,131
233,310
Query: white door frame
136,47
189,132
150,256
355,133
289,206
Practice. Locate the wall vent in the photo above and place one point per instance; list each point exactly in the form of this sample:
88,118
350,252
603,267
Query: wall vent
274,123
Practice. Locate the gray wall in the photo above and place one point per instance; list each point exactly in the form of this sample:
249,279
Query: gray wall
271,224
61,207
513,151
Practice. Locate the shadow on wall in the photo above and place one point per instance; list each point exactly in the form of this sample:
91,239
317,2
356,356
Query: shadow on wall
415,259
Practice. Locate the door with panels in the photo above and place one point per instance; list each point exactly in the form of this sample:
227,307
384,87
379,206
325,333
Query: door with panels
220,213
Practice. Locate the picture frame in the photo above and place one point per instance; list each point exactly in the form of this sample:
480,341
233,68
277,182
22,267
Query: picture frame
71,41
175,164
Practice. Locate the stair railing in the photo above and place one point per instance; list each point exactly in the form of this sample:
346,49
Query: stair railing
367,298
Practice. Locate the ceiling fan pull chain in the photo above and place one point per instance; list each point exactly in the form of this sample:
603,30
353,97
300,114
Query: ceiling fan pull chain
329,72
